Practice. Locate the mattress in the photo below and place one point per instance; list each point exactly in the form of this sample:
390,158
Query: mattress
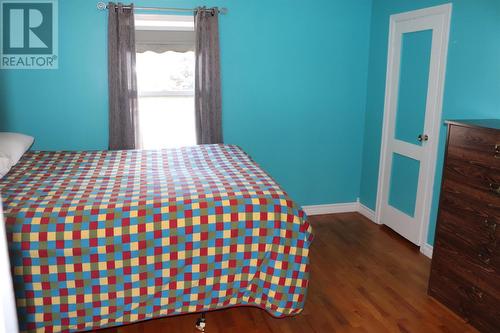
103,238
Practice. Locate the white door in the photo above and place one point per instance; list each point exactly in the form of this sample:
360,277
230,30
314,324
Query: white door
418,46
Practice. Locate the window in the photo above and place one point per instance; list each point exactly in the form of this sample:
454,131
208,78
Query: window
165,80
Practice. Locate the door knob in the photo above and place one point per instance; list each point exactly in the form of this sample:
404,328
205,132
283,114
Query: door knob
423,137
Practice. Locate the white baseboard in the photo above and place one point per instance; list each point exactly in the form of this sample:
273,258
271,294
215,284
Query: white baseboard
331,208
367,212
426,250
350,207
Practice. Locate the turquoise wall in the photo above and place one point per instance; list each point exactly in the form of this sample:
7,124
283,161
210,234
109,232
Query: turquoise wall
472,80
293,74
296,93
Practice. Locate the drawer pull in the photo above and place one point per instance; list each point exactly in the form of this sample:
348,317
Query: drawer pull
471,293
486,252
495,188
484,258
491,225
477,293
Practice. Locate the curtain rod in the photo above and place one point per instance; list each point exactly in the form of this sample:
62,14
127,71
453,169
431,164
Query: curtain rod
102,6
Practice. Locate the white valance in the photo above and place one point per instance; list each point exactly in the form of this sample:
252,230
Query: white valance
160,41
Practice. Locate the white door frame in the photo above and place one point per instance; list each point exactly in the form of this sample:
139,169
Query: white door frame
441,13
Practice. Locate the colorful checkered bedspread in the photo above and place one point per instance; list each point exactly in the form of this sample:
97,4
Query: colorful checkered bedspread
105,238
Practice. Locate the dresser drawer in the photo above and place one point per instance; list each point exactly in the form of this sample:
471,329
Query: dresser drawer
485,178
476,193
479,146
472,303
474,260
469,219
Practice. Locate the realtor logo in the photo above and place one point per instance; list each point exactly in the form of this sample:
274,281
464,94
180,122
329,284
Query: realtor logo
29,34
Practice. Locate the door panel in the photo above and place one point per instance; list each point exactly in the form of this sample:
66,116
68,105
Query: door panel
404,184
413,85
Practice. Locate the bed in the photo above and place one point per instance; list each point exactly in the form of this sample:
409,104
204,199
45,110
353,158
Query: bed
104,238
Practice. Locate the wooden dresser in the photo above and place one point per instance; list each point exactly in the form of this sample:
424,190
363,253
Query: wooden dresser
465,273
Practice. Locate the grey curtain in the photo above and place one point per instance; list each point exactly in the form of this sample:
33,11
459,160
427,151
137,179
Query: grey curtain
207,78
123,117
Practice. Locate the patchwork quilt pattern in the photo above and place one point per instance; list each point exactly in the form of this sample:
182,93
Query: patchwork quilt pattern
103,238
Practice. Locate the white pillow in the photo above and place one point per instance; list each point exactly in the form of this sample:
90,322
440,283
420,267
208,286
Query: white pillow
4,165
14,145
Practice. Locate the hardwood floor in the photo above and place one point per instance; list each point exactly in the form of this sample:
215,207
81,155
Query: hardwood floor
364,278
